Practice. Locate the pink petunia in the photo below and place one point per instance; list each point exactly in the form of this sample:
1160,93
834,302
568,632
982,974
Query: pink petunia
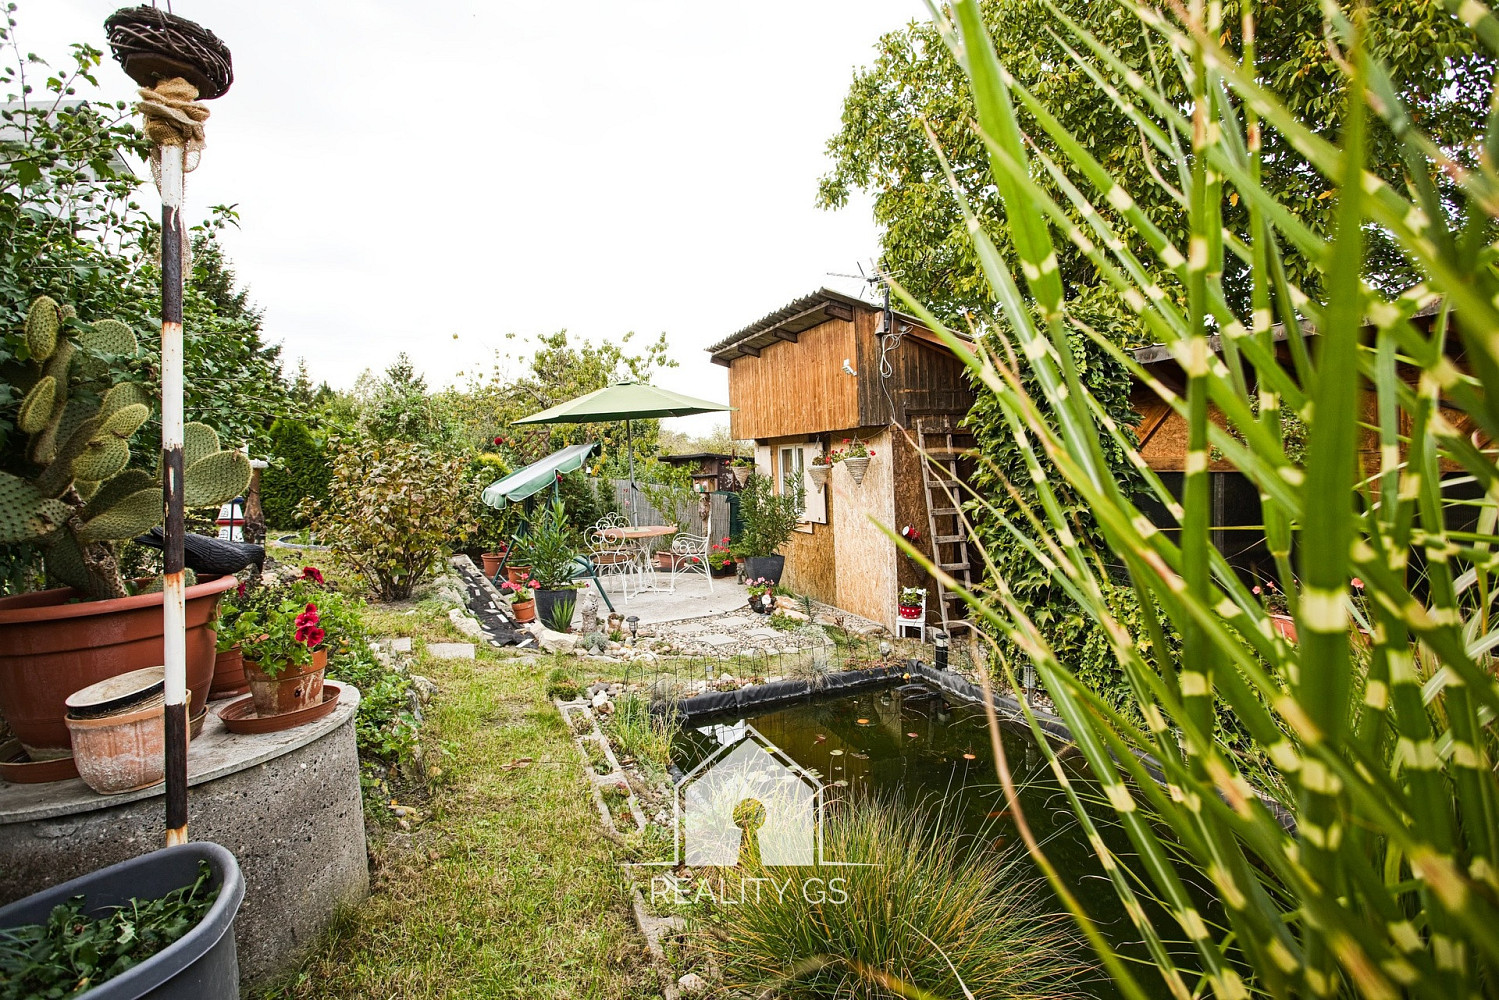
1256,588
1357,584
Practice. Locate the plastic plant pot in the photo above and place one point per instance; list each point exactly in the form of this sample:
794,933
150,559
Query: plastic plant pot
200,965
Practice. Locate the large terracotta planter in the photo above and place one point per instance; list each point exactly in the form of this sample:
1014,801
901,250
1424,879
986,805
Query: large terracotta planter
492,562
50,648
229,674
293,689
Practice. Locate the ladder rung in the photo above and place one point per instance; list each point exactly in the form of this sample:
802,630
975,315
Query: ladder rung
953,567
950,539
946,484
945,511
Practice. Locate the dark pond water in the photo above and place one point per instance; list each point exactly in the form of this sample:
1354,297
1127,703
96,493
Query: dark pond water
937,755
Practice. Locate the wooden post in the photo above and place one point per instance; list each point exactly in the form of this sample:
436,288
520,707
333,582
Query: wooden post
174,587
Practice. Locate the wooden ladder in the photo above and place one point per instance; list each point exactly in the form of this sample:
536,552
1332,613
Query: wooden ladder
944,444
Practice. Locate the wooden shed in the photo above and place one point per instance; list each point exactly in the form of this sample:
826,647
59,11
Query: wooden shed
828,368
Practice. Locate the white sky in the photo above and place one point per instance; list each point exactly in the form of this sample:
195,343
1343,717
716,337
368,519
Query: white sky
410,172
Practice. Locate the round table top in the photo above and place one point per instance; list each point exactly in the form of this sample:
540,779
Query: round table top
641,531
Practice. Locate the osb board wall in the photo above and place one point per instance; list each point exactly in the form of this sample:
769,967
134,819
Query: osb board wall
910,508
796,388
865,557
811,565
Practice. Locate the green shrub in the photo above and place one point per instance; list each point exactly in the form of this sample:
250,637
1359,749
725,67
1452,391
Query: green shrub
562,684
927,896
769,517
300,471
391,511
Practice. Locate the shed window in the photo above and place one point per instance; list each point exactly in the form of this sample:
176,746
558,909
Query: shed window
791,467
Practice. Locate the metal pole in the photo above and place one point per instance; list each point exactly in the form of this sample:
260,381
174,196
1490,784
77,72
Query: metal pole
174,586
630,451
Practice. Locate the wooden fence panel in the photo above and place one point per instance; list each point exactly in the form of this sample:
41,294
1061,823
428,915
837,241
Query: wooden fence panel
688,515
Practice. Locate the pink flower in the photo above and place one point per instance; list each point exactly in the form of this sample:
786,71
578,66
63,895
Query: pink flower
1256,588
1357,584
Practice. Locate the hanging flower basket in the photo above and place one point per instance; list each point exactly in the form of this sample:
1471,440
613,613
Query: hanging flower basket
819,474
856,467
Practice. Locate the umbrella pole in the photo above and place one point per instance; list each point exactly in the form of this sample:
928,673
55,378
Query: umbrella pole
630,450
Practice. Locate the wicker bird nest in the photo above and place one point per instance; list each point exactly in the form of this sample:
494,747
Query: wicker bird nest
153,45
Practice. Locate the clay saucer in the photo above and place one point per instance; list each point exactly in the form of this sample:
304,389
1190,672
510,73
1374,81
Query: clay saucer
115,695
239,716
19,769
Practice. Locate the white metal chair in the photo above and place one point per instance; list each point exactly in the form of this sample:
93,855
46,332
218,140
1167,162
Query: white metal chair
610,554
689,554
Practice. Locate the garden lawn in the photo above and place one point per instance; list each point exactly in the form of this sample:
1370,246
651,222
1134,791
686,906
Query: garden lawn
509,888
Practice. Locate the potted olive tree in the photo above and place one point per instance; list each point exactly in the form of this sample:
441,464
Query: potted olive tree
769,519
550,549
72,491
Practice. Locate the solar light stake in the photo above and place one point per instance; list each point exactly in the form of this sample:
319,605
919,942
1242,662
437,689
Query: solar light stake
634,622
175,62
939,639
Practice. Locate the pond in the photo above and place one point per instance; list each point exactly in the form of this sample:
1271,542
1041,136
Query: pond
911,744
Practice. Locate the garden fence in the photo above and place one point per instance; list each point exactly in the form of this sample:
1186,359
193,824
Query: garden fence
688,515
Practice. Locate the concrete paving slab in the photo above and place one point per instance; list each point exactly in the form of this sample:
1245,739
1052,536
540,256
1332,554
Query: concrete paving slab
451,650
692,598
401,645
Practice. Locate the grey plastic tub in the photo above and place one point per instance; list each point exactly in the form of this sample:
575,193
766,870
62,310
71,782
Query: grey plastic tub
201,965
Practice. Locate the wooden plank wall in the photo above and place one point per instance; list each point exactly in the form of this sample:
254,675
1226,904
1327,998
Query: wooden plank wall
796,388
925,378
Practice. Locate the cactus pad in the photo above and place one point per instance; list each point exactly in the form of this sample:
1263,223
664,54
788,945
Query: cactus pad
126,420
216,479
36,408
26,515
123,395
42,322
102,458
114,490
109,336
198,442
134,515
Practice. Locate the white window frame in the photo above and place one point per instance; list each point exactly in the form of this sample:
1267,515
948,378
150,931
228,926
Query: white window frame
814,501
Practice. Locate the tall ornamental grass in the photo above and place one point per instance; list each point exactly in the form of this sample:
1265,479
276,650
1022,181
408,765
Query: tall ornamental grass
925,912
1382,883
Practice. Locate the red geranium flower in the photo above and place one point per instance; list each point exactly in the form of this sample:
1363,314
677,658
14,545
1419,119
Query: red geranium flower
240,590
312,573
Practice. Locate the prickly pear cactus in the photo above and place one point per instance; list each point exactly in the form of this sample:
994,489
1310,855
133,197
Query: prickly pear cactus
75,494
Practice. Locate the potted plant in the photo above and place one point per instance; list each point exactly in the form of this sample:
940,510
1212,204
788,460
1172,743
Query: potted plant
561,617
769,520
69,491
286,647
548,548
157,925
911,603
522,597
762,595
821,468
229,663
721,560
742,466
1277,610
854,456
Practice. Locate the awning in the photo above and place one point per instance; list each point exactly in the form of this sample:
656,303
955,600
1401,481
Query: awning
537,476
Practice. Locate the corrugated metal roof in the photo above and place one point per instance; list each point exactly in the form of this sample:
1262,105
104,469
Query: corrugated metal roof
792,318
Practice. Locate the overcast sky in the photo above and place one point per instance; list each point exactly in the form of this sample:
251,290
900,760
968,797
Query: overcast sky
410,172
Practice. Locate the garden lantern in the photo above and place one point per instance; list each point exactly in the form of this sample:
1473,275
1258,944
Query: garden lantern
939,640
176,63
634,623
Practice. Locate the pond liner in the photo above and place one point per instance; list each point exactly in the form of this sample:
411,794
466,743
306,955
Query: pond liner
782,692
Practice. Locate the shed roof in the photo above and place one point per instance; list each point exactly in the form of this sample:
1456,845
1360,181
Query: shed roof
788,321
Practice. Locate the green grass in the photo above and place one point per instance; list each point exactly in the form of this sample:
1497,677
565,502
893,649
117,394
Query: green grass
511,888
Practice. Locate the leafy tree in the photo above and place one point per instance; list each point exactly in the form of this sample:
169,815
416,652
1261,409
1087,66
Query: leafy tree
70,227
301,469
399,404
883,147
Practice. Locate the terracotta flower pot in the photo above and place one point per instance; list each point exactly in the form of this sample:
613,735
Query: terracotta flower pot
1285,626
517,574
50,648
120,753
229,674
294,688
492,562
525,611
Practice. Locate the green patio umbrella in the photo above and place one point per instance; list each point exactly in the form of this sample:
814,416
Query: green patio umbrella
625,400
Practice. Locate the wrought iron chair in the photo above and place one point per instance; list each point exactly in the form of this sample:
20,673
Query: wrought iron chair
611,556
689,554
